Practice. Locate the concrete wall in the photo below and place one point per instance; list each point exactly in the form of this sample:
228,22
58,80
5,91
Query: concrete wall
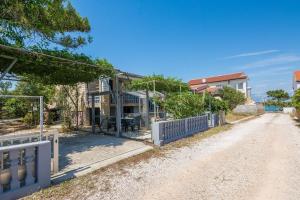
289,110
248,109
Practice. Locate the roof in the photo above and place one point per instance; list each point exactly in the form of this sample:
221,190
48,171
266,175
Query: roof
205,88
213,79
297,75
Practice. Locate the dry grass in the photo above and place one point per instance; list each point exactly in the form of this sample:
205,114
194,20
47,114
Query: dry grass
73,188
231,117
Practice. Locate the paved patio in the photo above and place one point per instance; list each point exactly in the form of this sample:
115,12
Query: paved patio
84,153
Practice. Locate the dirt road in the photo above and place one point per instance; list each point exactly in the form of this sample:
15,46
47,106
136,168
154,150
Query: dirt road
258,159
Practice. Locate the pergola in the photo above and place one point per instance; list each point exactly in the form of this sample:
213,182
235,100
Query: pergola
54,67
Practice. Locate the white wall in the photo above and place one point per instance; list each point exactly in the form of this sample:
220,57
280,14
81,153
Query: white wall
233,84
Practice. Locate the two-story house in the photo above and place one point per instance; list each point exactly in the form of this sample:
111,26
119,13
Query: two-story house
238,81
133,103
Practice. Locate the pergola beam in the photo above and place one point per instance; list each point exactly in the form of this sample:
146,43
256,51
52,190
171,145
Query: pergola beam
9,67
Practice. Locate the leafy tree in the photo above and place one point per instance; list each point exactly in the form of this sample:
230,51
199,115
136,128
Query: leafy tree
42,22
296,99
278,95
214,105
19,107
4,90
4,87
184,105
14,107
33,88
232,97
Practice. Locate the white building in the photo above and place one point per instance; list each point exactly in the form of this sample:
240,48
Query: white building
296,80
239,81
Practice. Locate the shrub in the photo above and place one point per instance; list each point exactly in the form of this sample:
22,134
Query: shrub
215,105
31,119
232,97
184,105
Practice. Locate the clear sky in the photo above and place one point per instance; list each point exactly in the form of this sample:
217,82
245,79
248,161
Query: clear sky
194,38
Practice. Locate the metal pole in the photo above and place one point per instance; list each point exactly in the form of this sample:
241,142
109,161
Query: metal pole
41,116
93,115
118,109
154,104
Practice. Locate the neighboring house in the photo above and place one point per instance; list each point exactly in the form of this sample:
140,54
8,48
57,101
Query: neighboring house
239,81
296,80
132,102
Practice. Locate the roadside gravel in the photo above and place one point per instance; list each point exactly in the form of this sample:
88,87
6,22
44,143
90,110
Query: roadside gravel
257,159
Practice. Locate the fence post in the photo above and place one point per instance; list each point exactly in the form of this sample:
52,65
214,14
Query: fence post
55,153
44,164
156,134
186,126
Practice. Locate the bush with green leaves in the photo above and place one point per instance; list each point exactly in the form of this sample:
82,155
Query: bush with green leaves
31,119
183,105
215,105
232,97
296,99
15,108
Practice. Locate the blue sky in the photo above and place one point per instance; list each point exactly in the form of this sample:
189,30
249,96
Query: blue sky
193,38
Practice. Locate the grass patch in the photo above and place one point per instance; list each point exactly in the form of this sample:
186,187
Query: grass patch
231,117
74,188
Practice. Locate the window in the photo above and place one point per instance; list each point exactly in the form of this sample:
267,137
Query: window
240,86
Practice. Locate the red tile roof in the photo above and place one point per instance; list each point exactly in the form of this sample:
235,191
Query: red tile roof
220,78
297,75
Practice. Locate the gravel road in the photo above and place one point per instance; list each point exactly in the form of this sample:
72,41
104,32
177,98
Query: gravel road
257,159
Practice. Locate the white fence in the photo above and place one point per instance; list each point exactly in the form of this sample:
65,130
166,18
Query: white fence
34,137
24,168
167,131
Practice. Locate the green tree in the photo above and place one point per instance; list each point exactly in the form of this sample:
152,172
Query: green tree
214,105
19,107
42,22
184,105
4,87
296,99
232,97
278,95
4,90
32,88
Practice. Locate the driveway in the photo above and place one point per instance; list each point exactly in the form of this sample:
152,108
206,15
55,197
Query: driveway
257,159
80,154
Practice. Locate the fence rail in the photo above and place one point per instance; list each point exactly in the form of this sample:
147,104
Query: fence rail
24,168
167,131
